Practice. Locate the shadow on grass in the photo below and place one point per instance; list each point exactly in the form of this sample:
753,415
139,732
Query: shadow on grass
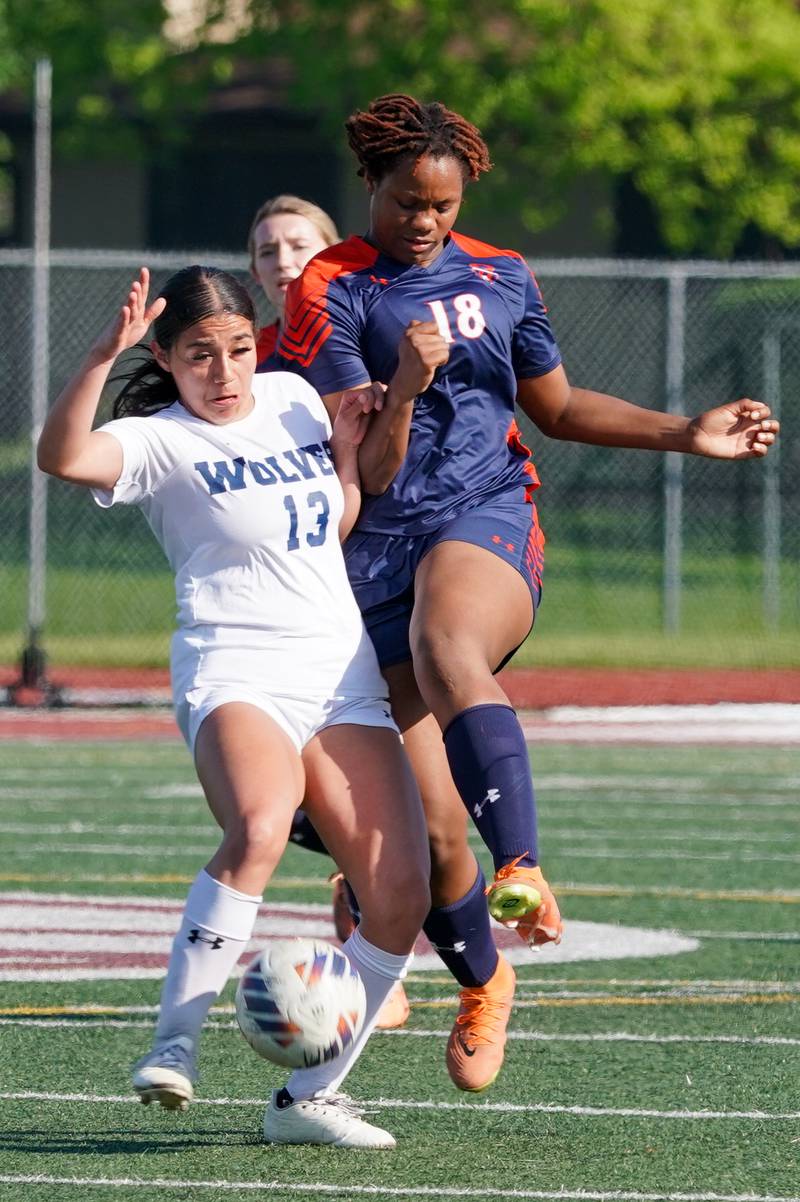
119,1143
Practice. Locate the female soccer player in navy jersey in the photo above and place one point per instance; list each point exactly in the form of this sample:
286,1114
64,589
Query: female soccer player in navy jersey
276,685
446,556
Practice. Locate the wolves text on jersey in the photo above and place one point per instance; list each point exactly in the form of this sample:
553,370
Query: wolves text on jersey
287,467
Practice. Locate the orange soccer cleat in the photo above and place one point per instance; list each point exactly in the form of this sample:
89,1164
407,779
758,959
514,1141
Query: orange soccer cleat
477,1042
521,898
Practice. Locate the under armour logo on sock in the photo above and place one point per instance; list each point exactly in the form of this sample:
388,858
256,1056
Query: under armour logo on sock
194,936
492,795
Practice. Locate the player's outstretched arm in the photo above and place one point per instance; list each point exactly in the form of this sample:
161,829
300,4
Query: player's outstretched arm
739,430
68,448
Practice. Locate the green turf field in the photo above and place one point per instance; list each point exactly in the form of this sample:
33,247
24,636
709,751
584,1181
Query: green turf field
650,1077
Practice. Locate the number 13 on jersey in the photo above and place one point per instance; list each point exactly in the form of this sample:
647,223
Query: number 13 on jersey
468,315
318,502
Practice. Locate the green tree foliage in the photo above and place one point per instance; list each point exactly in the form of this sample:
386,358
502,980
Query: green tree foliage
698,101
116,76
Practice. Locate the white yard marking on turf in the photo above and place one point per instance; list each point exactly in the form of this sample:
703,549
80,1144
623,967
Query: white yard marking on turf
599,852
759,936
177,790
31,850
50,937
554,835
679,854
93,828
387,1191
520,1036
464,1107
683,724
652,835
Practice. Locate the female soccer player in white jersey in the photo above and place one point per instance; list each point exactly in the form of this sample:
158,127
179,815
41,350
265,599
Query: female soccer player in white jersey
446,558
276,685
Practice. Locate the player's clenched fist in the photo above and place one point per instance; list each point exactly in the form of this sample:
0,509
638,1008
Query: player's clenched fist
422,349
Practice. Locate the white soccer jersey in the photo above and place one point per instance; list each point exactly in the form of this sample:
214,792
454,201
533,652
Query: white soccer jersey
248,516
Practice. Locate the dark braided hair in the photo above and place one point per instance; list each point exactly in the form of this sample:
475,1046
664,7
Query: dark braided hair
396,126
191,294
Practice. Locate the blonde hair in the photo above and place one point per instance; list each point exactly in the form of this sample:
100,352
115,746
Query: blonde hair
303,208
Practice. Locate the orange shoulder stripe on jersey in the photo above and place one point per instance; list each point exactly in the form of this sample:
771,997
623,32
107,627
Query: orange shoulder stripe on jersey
481,250
309,328
306,321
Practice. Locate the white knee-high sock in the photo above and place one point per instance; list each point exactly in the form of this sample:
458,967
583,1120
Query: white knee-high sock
378,970
217,923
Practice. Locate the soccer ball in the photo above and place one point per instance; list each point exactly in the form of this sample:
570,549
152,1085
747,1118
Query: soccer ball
300,1002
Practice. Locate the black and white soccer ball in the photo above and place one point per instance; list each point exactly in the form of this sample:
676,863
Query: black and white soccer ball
300,1002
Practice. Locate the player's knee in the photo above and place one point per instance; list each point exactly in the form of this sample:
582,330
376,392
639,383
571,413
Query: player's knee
447,836
441,662
257,837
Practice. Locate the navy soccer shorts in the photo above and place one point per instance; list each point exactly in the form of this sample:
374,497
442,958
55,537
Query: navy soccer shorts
381,567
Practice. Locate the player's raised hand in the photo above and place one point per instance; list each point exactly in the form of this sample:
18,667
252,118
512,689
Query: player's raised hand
422,349
742,429
132,321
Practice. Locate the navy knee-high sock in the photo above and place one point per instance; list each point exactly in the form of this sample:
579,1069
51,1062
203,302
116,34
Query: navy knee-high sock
488,758
462,936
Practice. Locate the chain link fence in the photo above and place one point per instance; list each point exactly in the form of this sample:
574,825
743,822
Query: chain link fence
641,546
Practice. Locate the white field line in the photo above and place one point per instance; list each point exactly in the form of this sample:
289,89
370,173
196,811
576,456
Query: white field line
79,828
678,854
111,849
319,1189
599,852
524,985
652,835
758,936
721,724
708,801
777,1041
778,895
659,784
552,833
462,1107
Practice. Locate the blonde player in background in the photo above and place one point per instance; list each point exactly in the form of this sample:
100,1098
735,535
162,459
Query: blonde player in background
285,233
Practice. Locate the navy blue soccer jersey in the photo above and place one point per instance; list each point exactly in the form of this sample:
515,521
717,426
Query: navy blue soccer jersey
344,320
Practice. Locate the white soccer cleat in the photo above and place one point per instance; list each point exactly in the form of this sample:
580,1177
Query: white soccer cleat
332,1119
167,1074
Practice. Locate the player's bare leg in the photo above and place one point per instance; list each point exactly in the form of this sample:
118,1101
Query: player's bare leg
456,648
253,779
